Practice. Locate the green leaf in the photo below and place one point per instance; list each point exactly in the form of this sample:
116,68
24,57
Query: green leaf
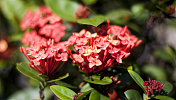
136,77
13,9
83,95
120,16
132,95
167,87
96,80
62,92
64,8
95,20
160,97
28,71
164,54
89,2
95,95
137,9
29,94
130,68
155,71
145,96
16,37
86,87
65,84
71,48
60,78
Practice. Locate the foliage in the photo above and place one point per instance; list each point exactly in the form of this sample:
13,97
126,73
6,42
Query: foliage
87,61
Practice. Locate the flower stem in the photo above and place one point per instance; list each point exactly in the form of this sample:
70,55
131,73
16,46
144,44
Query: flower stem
41,89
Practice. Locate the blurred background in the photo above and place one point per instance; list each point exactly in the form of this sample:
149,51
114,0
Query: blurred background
152,21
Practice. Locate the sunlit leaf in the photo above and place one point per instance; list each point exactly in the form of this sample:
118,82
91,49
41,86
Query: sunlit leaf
95,20
136,77
132,95
83,95
96,80
62,92
95,95
89,2
86,87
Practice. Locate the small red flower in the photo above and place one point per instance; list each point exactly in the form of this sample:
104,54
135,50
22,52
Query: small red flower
44,57
93,61
151,86
78,58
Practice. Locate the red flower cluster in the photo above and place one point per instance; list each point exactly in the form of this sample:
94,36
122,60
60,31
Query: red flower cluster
45,23
44,57
98,51
151,86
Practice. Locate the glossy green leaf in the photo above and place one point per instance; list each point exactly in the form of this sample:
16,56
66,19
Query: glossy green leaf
160,97
96,80
65,84
95,20
86,87
167,87
155,71
62,92
95,95
64,8
83,95
130,68
132,95
28,71
136,77
60,78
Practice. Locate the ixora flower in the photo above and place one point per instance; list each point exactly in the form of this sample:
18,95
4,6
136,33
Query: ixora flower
82,12
44,22
98,51
45,57
152,86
